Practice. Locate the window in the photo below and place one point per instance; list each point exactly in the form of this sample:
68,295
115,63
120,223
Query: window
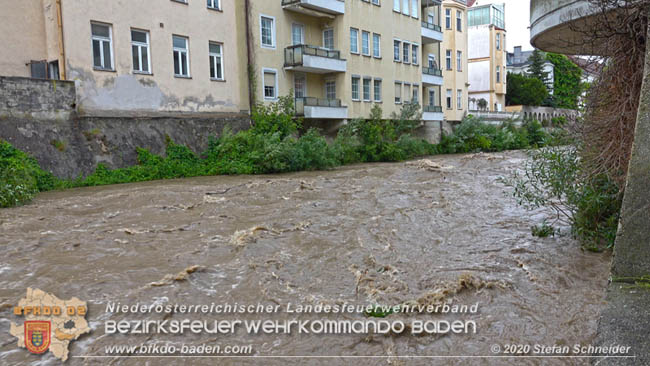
270,84
214,4
414,8
396,5
448,59
297,34
449,101
459,99
407,93
328,39
498,41
267,28
432,62
354,40
459,60
377,90
405,7
355,88
181,57
216,61
416,97
376,2
365,43
300,85
366,89
459,20
140,51
414,51
432,97
498,74
405,55
102,46
376,45
504,42
448,18
397,45
398,93
330,89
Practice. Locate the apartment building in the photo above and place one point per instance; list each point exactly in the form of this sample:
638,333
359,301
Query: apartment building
455,67
341,58
487,56
176,56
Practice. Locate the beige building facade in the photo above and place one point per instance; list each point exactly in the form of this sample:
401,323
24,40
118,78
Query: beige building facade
178,56
487,57
455,65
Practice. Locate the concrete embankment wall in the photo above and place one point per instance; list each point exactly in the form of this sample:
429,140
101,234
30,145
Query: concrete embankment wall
40,117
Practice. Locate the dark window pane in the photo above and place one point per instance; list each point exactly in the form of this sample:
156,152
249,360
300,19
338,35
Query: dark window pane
136,58
100,30
137,36
145,59
177,67
180,42
97,58
212,72
184,63
219,72
107,55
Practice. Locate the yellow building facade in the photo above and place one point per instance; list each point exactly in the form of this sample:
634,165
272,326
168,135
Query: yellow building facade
455,70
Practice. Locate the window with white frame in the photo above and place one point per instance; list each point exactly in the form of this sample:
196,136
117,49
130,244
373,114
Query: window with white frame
365,43
498,74
270,84
300,85
376,2
366,89
297,34
416,93
449,101
376,45
398,93
328,39
216,61
267,30
330,89
396,4
459,60
355,88
354,40
448,18
405,54
102,40
181,56
432,97
140,51
377,91
415,52
214,4
448,59
397,45
498,41
459,99
405,7
459,20
414,8
407,93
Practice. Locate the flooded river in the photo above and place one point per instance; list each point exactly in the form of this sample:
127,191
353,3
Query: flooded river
389,234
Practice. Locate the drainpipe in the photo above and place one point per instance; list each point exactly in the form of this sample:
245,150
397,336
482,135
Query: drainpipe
59,19
249,55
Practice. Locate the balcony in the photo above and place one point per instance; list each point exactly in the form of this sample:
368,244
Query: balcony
316,8
317,108
432,113
431,33
428,3
431,76
313,59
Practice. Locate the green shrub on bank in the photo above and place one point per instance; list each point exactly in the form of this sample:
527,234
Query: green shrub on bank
20,176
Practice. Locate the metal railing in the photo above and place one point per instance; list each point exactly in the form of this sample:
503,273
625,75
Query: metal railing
431,26
431,71
302,102
293,55
432,108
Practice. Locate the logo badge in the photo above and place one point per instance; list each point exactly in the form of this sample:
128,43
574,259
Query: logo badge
37,336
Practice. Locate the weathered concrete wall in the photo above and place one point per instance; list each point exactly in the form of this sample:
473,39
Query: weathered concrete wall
70,147
36,98
432,130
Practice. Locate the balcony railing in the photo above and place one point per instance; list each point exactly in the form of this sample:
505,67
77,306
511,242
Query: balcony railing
327,8
431,26
302,102
431,71
432,108
293,55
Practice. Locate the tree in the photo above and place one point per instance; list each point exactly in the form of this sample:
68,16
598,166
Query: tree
525,90
482,104
536,68
567,86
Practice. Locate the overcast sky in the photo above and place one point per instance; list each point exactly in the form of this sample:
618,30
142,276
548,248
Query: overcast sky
517,22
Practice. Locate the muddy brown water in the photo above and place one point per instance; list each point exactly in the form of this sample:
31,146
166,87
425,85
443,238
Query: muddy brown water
365,234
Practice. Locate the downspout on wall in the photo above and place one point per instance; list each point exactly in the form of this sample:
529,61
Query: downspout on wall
59,19
249,55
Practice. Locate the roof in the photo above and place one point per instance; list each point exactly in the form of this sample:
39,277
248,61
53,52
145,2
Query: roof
470,3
